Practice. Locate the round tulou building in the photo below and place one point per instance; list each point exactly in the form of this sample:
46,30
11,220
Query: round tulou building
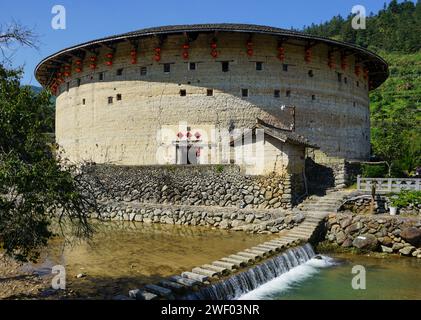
152,96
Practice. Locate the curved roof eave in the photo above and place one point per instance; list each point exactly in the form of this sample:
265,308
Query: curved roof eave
223,27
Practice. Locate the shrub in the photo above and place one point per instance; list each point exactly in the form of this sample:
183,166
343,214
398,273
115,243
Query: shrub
374,171
406,198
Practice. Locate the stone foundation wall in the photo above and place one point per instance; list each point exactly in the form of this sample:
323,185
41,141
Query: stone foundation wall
217,185
362,204
330,172
253,221
376,233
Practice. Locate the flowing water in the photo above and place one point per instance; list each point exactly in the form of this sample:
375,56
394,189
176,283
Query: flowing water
392,278
257,276
123,256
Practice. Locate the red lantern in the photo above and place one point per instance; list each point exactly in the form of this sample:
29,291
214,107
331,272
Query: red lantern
330,60
186,48
157,56
214,52
250,51
78,62
78,70
197,135
366,73
281,53
180,135
92,66
357,70
109,63
307,56
133,54
93,59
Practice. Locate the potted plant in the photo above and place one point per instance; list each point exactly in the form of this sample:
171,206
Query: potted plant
394,204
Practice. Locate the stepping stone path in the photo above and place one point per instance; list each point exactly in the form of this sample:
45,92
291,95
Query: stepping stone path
315,210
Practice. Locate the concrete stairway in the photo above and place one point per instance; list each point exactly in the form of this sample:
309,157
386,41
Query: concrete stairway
315,210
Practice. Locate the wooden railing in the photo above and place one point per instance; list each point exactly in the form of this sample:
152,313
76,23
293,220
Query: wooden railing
388,185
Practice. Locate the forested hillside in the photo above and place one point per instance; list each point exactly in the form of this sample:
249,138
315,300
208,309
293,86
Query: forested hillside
395,34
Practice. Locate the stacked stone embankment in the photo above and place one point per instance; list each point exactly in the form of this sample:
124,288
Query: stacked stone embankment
388,234
212,186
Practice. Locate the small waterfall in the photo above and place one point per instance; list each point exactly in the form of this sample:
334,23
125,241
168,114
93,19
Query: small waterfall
249,280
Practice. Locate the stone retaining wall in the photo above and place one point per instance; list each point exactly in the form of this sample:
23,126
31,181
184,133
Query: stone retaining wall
217,185
254,221
376,233
362,204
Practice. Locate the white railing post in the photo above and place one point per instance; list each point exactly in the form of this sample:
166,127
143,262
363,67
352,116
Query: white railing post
358,182
389,182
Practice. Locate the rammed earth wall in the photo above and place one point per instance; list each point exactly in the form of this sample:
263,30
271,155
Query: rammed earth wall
210,186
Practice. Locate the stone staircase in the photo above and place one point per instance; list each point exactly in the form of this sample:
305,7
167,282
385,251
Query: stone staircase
315,209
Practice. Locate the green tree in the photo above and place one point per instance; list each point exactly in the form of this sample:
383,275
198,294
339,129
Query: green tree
36,186
390,139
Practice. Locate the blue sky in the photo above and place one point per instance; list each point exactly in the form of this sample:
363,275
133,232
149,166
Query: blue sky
87,20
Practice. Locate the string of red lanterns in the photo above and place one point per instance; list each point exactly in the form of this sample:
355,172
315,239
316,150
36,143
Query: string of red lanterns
79,66
331,60
133,56
186,48
214,51
157,56
281,53
93,64
250,50
109,59
357,70
308,55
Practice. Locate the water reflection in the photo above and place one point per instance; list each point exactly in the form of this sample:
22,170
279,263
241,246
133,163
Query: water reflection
125,255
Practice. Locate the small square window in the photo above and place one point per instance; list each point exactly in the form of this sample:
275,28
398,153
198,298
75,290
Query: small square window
355,104
339,77
119,72
143,71
225,66
192,66
245,92
101,76
358,83
67,86
313,97
167,68
311,73
183,93
209,92
285,67
78,82
259,66
119,97
346,80
288,93
277,93
83,101
110,100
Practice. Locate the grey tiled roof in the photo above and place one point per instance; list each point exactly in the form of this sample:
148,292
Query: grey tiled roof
376,63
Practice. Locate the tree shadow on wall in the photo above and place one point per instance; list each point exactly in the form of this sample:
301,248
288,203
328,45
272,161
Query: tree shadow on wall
319,178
